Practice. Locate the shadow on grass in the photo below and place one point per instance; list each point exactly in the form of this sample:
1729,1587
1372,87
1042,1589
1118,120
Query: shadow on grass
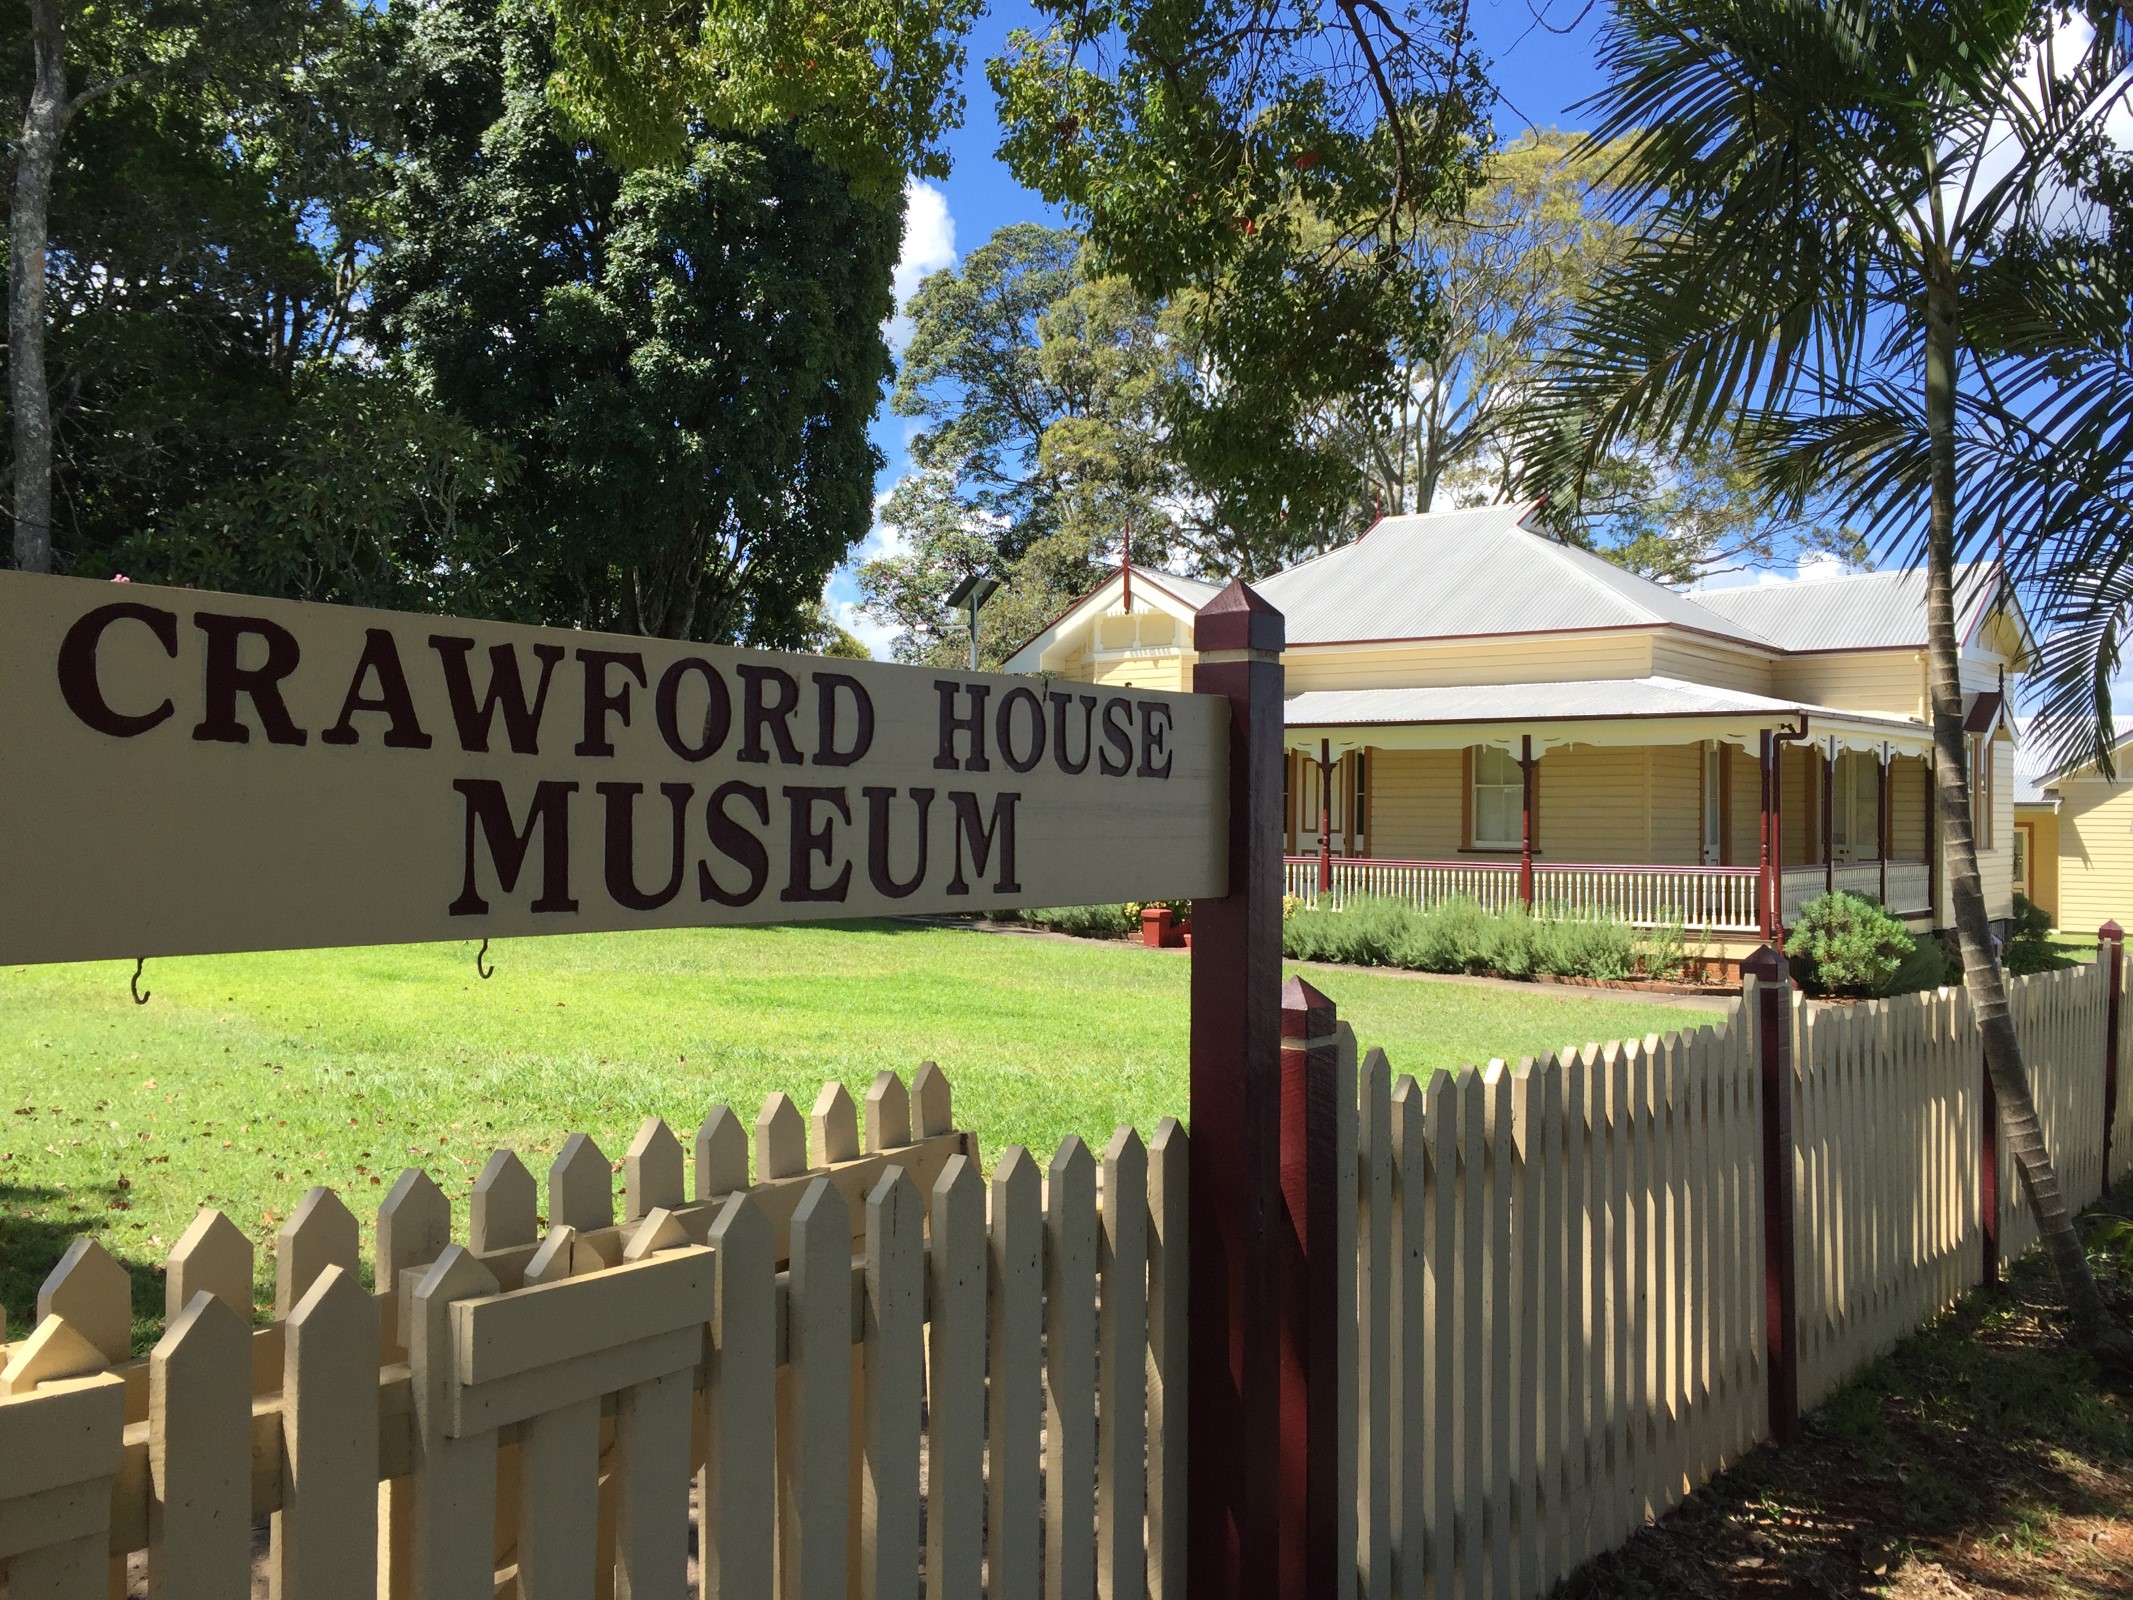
1982,1455
30,1246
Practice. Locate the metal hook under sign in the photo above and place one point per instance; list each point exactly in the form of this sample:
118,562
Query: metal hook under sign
487,972
140,995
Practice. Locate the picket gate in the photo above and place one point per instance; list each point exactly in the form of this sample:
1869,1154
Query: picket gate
808,1358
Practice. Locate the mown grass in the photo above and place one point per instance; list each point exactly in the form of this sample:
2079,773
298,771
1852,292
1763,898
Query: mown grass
246,1079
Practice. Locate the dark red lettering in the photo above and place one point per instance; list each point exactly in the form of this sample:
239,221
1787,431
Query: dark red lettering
1118,734
984,840
878,872
78,684
1004,730
226,680
489,814
762,710
732,840
621,842
1060,703
507,693
953,722
807,841
602,702
381,655
1155,727
827,684
718,709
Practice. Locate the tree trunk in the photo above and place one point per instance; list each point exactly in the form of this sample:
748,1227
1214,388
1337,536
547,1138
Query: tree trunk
30,400
1982,977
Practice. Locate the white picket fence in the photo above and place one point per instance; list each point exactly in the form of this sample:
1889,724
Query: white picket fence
871,1370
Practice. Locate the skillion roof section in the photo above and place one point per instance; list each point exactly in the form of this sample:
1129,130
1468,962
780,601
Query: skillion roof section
1860,611
1454,574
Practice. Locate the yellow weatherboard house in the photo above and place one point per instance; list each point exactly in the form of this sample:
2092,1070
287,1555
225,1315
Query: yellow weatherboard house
1476,709
2074,840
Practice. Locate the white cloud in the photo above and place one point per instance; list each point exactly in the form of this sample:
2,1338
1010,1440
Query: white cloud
929,245
1815,566
876,636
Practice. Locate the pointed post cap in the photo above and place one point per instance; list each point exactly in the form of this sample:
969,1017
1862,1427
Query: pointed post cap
1305,1013
1766,965
1238,619
2110,931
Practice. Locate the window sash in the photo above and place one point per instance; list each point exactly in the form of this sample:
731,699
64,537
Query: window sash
1499,799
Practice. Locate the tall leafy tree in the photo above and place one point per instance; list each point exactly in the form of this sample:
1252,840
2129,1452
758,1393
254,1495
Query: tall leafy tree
1847,216
1264,170
682,359
68,58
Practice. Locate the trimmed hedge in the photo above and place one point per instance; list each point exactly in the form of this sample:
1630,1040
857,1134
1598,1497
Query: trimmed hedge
1458,935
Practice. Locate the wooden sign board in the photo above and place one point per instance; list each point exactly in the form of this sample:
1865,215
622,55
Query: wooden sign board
184,772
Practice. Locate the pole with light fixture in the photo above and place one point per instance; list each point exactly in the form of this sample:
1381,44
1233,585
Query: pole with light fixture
972,593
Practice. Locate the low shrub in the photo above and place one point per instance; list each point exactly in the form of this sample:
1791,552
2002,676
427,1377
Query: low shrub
1846,944
1932,964
1458,935
2029,946
1087,922
1581,948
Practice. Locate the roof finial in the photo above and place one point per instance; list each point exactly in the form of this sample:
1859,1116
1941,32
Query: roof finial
1125,563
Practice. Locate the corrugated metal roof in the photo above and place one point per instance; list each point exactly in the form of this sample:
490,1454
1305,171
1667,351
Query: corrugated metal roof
1195,592
1860,611
1548,702
1460,573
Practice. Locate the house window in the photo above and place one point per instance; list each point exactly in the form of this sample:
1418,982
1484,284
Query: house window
1855,799
1499,799
2021,860
1359,765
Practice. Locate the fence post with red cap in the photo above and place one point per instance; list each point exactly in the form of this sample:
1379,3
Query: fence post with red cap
1233,1430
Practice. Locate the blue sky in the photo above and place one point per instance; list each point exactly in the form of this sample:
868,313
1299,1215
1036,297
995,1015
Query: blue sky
1541,53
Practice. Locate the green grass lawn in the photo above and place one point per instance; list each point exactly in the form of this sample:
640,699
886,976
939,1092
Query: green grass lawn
246,1079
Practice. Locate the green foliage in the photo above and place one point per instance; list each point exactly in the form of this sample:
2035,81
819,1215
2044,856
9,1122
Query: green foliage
1459,935
870,86
1932,964
1845,943
683,360
1087,922
1244,162
2029,946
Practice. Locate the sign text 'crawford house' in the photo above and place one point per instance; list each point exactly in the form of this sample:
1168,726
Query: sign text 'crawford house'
185,772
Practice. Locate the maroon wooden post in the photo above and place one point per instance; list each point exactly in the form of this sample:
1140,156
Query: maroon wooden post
1309,1294
2111,947
1325,816
1765,897
1525,820
1988,1179
1829,817
1882,831
1770,1014
1233,1426
1932,808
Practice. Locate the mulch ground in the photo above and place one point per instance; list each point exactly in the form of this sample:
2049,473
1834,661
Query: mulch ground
1984,1457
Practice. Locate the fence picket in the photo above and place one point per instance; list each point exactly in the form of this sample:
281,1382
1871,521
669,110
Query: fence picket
955,1439
326,1536
559,1501
1497,1333
1376,1443
1121,1371
91,1290
1168,1214
1015,1252
721,1154
200,1454
503,1211
1469,1410
652,1175
814,1443
454,1486
1070,1373
651,1488
211,1257
894,1348
1409,1410
737,1529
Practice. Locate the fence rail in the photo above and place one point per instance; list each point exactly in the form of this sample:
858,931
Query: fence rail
873,1363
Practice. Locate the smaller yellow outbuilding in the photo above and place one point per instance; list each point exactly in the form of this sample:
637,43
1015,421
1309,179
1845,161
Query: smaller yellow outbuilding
2074,838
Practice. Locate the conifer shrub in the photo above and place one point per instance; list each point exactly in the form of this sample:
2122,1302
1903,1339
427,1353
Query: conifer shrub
1846,944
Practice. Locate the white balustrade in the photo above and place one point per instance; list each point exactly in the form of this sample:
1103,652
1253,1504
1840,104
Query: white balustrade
1698,899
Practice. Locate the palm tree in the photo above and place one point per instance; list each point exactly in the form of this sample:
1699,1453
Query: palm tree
1852,239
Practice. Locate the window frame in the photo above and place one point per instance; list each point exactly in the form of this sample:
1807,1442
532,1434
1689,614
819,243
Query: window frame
1515,789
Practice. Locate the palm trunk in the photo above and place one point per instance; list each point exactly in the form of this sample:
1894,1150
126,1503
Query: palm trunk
29,398
1981,967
